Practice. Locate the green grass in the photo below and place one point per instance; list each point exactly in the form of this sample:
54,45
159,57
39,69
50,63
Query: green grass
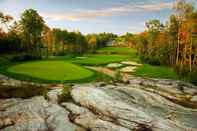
67,69
146,70
156,72
132,53
59,71
100,59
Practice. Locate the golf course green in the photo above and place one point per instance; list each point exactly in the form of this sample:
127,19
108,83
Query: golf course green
51,70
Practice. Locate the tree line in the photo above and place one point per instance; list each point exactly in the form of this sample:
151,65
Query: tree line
31,35
174,43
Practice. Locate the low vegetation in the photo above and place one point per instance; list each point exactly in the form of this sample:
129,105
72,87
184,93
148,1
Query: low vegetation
25,90
65,95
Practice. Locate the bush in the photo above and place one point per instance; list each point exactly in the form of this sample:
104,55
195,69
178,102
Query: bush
150,60
26,57
66,94
182,71
101,77
193,77
118,76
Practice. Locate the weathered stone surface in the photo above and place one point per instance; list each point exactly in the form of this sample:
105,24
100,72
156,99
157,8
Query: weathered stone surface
131,63
141,104
194,98
85,118
128,69
6,81
11,88
52,95
114,65
35,114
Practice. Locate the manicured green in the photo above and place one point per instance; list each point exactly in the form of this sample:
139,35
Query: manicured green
156,72
100,59
51,70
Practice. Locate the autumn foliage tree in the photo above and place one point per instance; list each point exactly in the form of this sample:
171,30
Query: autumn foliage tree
173,44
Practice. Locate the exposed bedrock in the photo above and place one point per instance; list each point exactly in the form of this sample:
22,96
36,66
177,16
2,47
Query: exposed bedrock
139,105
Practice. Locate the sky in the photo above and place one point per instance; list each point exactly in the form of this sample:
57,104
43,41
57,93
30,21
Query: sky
94,16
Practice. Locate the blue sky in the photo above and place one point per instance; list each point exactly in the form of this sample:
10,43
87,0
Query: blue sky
88,16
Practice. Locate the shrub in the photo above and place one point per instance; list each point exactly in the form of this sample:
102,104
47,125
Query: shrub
66,94
150,60
118,76
25,57
101,77
182,71
193,77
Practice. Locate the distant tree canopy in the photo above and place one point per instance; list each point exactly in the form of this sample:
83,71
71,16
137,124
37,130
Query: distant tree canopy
30,34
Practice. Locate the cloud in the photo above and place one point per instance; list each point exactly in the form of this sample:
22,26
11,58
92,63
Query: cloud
107,12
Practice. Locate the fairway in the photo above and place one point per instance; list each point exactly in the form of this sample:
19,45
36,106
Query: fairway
51,70
131,52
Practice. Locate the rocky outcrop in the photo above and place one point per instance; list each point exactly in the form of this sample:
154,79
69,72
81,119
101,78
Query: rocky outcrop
52,95
35,114
143,104
139,105
11,88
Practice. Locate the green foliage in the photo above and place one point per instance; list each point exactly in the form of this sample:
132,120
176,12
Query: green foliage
32,23
118,76
10,42
193,76
32,27
65,96
25,57
102,77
